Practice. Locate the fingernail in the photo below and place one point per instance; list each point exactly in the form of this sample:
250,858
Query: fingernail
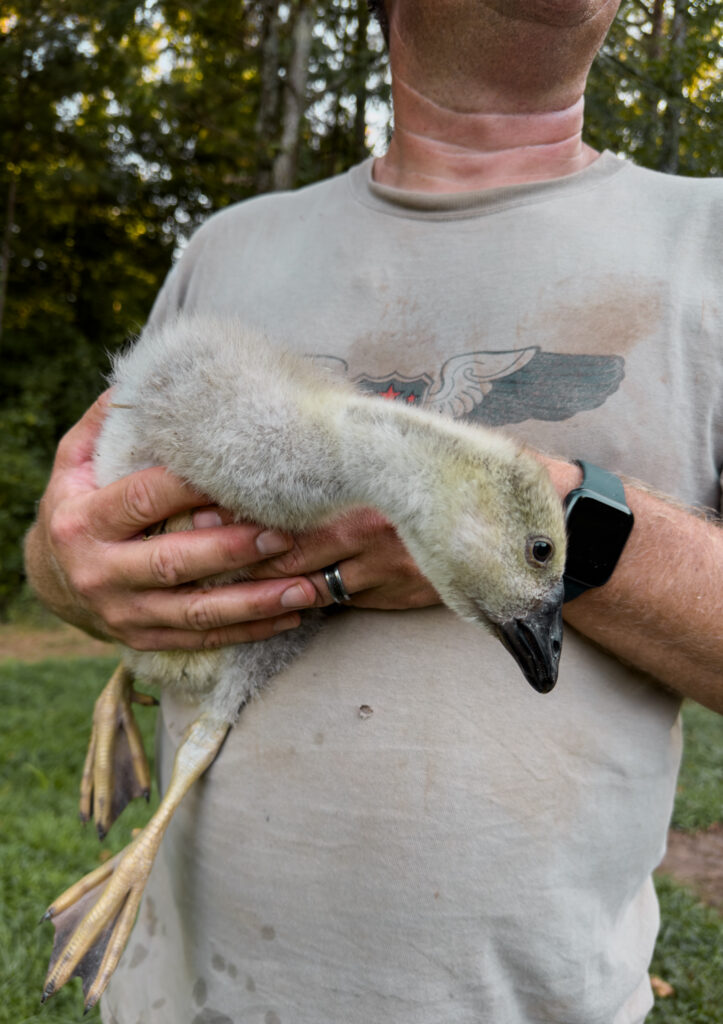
295,597
271,542
206,518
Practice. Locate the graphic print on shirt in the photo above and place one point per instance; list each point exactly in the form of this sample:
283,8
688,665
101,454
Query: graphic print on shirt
496,388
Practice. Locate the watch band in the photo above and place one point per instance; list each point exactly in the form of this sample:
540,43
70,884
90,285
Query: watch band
597,482
596,479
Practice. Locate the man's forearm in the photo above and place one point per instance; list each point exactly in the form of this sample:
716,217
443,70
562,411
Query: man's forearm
662,609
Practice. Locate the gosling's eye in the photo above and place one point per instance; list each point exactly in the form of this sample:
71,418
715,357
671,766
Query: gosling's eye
539,550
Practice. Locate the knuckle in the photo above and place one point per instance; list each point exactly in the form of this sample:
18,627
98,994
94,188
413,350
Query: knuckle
291,563
213,639
87,581
138,503
118,622
165,566
404,565
199,613
387,532
63,529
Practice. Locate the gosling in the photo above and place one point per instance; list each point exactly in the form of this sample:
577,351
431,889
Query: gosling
275,439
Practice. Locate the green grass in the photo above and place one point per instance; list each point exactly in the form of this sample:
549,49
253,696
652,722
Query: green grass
700,784
689,955
44,719
44,724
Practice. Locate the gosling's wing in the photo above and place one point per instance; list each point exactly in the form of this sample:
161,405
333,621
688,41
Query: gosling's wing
465,379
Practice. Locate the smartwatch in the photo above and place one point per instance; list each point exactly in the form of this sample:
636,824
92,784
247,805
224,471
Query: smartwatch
598,524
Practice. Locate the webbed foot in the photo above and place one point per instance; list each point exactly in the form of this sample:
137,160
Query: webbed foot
93,919
116,768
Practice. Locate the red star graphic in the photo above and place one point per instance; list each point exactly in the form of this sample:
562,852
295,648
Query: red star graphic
412,398
390,393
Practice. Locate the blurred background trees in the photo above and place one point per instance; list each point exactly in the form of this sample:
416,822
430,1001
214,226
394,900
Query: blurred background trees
656,90
123,124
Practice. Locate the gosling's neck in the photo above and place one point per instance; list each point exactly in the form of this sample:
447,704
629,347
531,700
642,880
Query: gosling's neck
400,461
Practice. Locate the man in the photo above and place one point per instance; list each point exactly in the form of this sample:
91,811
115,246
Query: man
468,851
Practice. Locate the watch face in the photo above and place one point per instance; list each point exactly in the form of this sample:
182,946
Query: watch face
597,532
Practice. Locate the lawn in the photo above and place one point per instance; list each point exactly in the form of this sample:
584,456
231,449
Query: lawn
43,848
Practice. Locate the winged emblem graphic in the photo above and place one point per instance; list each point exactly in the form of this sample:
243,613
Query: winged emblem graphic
500,387
465,380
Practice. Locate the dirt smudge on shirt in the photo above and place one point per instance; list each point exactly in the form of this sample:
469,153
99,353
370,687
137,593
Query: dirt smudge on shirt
609,319
200,992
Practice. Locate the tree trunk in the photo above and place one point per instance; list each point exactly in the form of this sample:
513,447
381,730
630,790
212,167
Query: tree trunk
670,151
360,93
267,120
284,170
5,251
656,30
654,46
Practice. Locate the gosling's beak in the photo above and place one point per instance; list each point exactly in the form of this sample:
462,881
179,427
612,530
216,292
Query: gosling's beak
535,642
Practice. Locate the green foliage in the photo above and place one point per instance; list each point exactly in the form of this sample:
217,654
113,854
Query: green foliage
122,125
23,469
43,737
655,91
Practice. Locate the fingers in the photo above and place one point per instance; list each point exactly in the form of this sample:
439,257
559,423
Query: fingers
193,618
172,559
376,569
398,588
353,534
132,504
203,609
241,633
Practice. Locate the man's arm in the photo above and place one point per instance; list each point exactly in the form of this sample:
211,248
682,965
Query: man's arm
662,609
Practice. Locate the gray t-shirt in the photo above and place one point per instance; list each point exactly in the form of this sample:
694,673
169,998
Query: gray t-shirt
469,852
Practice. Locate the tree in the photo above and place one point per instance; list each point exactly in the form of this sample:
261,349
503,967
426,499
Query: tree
73,217
655,89
122,125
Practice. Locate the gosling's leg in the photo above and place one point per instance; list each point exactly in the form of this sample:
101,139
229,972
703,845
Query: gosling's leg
93,918
116,769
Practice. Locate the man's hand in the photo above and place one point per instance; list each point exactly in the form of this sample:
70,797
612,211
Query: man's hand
377,569
88,561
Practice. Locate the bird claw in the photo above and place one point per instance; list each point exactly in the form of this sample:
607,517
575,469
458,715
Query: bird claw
116,768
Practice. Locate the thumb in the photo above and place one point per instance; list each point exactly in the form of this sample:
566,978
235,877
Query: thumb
78,445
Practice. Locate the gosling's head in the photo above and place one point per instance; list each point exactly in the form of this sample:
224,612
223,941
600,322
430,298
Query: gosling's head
494,548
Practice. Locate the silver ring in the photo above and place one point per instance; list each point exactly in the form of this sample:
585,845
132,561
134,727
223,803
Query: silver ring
335,583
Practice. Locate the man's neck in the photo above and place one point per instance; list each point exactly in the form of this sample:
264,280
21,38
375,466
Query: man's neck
489,92
437,149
